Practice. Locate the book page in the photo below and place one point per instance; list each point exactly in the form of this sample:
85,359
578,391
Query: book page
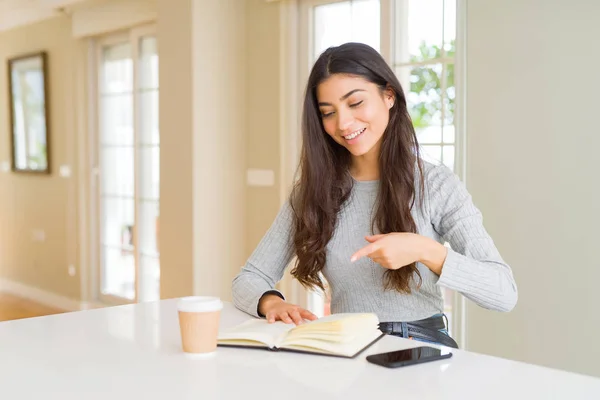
342,334
337,326
256,330
347,349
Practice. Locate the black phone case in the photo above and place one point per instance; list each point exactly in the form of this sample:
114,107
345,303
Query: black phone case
375,360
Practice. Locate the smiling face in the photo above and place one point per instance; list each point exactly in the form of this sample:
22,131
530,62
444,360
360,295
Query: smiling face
354,111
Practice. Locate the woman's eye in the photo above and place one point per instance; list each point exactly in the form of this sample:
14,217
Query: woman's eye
329,114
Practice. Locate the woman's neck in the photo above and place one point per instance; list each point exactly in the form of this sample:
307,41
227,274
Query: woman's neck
365,167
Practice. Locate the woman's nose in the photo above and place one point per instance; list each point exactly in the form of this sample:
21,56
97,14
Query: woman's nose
345,120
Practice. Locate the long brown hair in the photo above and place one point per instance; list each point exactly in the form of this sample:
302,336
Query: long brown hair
325,182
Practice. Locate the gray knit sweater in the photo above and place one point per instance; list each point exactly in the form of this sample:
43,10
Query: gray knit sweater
473,265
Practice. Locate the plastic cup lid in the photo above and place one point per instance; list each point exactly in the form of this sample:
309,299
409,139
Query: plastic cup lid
199,304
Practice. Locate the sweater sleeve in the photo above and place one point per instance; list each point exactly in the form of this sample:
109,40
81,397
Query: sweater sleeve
266,265
473,265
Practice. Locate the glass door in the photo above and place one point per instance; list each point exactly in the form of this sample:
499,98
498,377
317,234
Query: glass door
127,181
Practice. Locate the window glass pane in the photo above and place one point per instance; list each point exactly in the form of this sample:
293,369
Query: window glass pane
148,63
449,26
117,171
448,156
117,69
118,222
424,98
431,153
449,95
149,172
422,87
346,21
332,23
449,135
366,22
149,226
116,119
118,272
420,32
118,264
149,255
149,117
429,134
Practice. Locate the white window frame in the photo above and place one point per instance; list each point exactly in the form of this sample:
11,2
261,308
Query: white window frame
460,142
132,36
398,8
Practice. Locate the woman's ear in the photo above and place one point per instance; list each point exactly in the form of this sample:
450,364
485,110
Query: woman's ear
389,96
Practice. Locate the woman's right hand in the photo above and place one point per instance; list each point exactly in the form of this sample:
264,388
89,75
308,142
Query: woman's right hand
274,308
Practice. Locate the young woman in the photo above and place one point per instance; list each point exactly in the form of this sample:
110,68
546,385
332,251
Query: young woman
370,215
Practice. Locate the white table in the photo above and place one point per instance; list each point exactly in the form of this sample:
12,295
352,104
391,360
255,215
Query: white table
133,352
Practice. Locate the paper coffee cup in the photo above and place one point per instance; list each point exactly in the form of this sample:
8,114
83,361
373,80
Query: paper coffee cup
199,324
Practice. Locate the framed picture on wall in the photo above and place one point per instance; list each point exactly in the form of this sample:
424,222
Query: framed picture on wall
28,99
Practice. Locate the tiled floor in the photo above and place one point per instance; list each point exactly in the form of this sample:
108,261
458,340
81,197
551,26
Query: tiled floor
12,307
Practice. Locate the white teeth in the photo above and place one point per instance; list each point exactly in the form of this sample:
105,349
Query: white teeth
355,134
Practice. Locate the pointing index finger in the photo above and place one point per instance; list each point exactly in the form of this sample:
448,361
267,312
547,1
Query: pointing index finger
365,251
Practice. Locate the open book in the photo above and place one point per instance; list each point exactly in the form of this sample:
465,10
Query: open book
342,335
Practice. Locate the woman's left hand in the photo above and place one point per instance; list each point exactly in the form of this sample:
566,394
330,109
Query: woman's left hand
397,250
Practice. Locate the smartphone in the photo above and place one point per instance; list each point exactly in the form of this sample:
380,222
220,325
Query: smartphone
401,358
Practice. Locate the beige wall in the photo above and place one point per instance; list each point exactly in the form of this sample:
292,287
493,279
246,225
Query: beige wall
202,48
219,140
532,149
226,122
34,202
174,30
231,119
263,101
